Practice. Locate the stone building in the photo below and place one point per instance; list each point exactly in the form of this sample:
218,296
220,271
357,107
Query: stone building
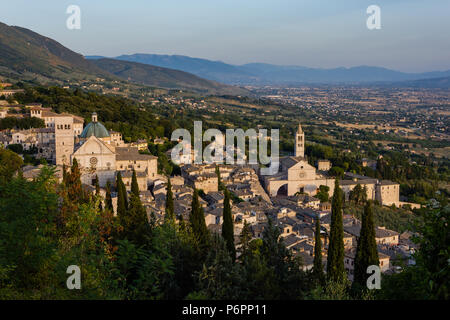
100,157
296,174
323,165
387,193
64,139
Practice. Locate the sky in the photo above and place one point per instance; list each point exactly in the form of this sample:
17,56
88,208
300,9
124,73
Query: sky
414,34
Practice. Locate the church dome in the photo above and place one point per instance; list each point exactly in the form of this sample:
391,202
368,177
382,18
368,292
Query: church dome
94,128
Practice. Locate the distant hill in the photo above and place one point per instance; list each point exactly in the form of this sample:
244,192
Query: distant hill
27,55
261,73
443,83
163,77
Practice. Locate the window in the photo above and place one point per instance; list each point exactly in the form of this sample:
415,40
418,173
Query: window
93,161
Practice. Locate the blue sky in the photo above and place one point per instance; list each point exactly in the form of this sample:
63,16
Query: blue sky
316,33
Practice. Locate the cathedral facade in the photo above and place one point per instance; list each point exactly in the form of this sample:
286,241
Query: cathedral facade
101,155
296,174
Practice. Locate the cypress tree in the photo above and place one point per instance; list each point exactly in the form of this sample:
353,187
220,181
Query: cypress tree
124,192
335,259
227,226
137,226
97,193
108,198
366,250
219,180
134,184
318,266
197,221
364,195
244,238
170,213
74,190
121,198
64,169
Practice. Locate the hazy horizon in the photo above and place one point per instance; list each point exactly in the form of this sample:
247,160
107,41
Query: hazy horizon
256,62
314,34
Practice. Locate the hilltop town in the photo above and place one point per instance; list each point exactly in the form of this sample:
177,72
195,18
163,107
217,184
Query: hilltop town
293,198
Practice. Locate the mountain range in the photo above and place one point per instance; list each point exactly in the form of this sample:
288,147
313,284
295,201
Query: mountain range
269,74
27,55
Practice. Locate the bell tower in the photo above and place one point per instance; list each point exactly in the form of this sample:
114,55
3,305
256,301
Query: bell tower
300,142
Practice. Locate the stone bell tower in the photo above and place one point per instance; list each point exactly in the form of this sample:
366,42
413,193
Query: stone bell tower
64,139
300,142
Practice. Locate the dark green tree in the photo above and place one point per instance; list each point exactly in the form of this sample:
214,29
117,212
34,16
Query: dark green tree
366,250
74,190
335,259
323,195
428,277
170,212
10,162
97,193
134,220
108,198
220,278
197,221
244,239
219,180
227,226
134,184
355,194
318,266
288,280
137,226
122,203
64,170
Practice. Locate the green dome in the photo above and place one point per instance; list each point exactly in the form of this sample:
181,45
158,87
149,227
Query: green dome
94,129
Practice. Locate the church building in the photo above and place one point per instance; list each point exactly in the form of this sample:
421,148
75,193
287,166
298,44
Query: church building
101,154
296,174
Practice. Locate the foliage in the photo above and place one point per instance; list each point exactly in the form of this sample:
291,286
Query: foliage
197,222
21,123
335,259
366,250
429,277
10,163
323,194
170,213
318,266
227,227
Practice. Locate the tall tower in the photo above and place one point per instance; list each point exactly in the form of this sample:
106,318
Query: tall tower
300,142
64,140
